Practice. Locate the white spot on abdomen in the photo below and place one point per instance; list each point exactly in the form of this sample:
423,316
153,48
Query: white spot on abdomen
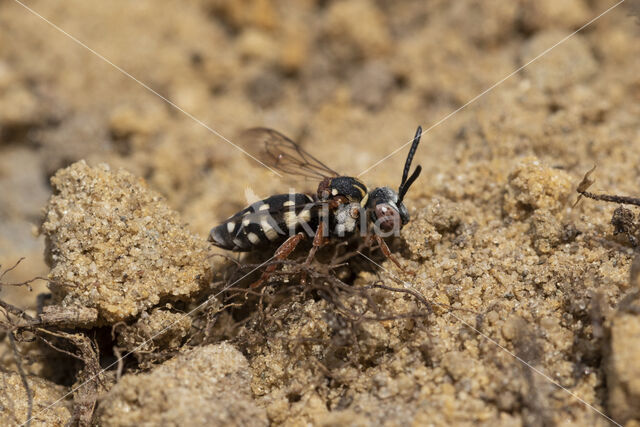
290,219
304,216
253,238
268,230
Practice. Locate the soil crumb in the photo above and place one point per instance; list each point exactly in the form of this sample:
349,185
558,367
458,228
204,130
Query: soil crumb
208,385
15,404
114,245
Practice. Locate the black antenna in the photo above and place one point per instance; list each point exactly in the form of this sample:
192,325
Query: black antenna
406,183
403,190
412,151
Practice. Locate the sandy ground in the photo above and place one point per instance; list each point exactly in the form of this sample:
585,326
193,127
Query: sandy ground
110,192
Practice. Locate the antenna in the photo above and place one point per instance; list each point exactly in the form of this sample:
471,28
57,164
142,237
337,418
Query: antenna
406,182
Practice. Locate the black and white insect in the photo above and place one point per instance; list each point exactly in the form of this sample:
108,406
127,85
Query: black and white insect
341,206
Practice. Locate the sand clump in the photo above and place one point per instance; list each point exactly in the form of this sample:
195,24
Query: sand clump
534,186
558,70
623,364
14,402
622,355
160,328
207,386
115,246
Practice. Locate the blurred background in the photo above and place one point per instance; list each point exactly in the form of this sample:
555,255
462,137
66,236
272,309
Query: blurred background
349,80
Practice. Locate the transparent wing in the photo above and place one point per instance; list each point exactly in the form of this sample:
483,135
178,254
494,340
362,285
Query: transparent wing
281,153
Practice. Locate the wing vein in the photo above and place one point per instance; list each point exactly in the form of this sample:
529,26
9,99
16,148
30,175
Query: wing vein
281,153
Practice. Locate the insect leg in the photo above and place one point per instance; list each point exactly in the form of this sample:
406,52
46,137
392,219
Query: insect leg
387,252
318,240
281,253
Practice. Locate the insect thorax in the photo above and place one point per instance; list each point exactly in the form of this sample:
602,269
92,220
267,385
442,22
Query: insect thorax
345,220
351,188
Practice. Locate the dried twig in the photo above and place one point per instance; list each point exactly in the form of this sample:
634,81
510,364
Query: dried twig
90,377
623,220
12,309
11,268
26,283
588,182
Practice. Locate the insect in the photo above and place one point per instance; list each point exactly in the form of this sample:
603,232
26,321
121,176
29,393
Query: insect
341,206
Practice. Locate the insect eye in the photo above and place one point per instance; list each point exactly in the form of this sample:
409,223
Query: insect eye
354,211
387,217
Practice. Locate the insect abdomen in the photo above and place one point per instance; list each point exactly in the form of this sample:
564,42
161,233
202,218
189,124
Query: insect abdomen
265,223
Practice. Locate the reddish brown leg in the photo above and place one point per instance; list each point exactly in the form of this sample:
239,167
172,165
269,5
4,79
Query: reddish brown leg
318,240
281,253
387,252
